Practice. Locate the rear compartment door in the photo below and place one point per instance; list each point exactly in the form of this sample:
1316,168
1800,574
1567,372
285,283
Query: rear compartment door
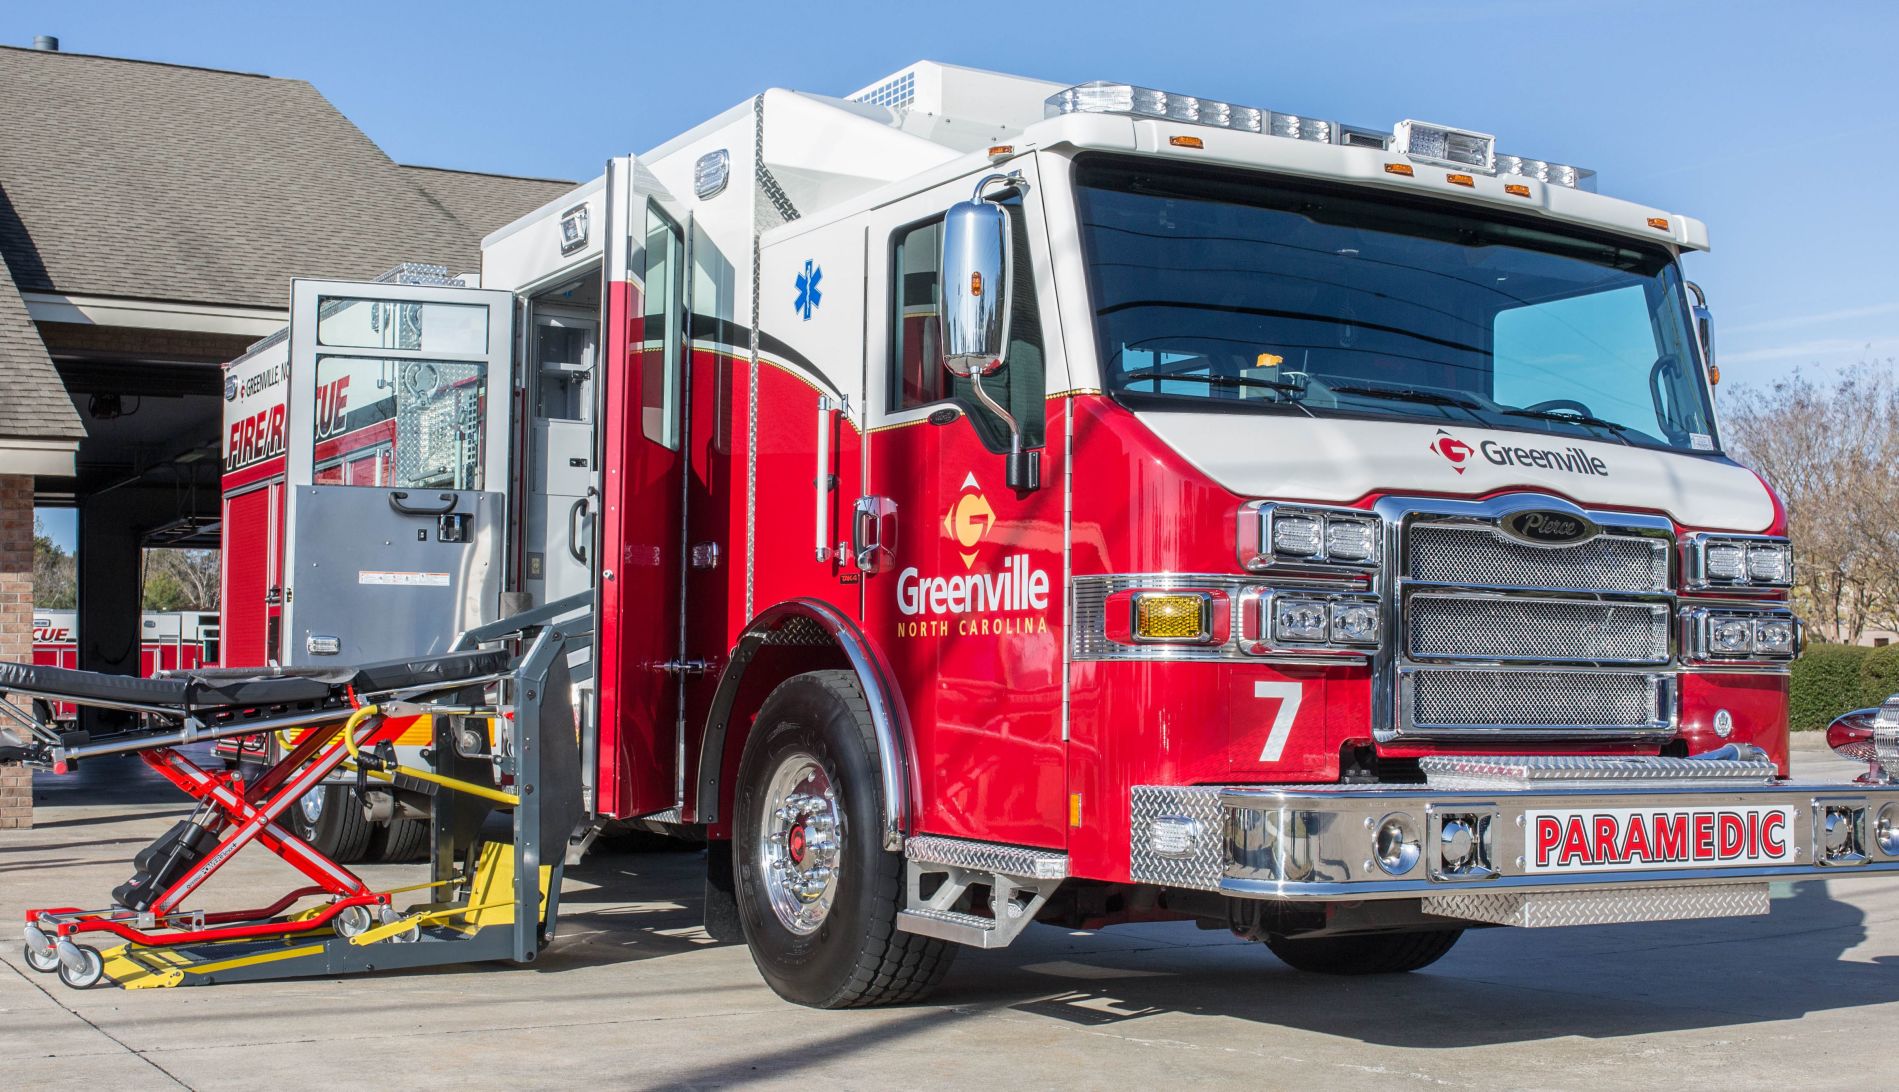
398,455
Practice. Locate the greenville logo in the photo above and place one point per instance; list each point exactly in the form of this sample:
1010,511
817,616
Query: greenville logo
969,520
1570,460
1011,599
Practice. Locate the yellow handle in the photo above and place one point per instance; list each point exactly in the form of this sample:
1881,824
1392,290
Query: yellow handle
469,787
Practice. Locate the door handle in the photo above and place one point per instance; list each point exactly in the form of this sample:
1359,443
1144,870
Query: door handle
574,515
399,501
874,534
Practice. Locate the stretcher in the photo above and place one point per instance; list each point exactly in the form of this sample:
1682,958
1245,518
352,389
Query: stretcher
493,886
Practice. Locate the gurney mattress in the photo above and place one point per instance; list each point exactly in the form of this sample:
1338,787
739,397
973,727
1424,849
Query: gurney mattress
213,688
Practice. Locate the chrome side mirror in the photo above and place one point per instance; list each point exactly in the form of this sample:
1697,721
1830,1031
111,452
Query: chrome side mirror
974,310
1704,329
975,307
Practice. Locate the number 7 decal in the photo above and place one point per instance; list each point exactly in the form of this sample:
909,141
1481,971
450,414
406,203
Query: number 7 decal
1289,694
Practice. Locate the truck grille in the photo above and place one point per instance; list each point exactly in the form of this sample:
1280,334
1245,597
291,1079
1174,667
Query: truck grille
1503,639
1464,627
1478,555
1538,699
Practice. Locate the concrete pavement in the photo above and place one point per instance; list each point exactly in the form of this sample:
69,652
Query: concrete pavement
634,995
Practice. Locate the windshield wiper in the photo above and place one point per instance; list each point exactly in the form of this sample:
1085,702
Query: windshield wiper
1614,428
1406,394
1151,375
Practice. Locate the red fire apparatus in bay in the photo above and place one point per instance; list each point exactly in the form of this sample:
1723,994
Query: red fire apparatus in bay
176,640
1007,501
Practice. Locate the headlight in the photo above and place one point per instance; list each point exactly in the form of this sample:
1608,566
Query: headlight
1274,534
1737,561
1297,536
1300,620
1717,635
1345,623
1355,623
1769,563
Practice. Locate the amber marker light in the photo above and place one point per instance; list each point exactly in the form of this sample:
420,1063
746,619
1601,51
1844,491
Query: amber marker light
1659,223
1173,617
1186,142
1460,180
1000,150
1515,190
1399,168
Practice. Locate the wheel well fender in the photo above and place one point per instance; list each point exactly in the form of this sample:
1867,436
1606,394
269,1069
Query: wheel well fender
787,639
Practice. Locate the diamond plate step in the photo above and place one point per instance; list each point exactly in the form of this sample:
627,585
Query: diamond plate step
952,925
1548,909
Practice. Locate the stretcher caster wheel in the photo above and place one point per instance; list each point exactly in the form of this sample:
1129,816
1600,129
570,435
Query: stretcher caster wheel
43,958
354,921
84,972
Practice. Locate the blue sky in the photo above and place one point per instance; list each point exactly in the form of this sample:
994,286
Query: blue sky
1773,122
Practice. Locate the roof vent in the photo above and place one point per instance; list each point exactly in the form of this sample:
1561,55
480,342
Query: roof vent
46,43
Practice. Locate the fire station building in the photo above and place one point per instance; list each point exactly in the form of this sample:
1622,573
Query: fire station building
151,219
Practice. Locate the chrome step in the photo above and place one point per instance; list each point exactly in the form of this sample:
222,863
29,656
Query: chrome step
952,925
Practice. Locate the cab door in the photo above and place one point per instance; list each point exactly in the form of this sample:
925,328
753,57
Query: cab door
970,598
396,510
640,524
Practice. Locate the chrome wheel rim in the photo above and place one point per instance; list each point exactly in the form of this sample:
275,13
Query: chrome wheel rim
311,804
800,842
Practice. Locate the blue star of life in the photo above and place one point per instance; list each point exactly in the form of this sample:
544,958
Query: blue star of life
808,295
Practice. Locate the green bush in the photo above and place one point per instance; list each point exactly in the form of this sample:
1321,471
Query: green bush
1830,679
1879,675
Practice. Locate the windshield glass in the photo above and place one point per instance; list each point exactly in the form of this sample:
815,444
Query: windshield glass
1226,291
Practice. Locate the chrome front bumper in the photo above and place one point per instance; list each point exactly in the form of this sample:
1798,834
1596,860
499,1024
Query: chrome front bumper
1320,842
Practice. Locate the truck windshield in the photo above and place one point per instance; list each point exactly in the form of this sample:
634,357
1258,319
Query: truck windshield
1234,291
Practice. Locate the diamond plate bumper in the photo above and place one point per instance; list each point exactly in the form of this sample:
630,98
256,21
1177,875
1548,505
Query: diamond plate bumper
1320,842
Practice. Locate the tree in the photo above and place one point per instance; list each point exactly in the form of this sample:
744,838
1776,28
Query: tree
55,573
1828,449
181,580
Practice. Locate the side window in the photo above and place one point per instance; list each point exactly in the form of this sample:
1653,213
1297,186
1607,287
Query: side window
660,355
917,376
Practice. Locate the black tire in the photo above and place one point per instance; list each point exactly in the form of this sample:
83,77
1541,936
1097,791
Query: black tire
856,957
340,831
1365,953
399,841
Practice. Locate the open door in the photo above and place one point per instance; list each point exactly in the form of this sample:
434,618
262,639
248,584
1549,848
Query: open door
397,467
640,526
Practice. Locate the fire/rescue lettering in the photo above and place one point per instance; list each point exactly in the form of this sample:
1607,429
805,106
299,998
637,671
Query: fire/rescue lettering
1016,588
332,406
1631,838
256,438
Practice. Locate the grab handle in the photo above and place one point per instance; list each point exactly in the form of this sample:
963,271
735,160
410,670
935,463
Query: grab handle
575,516
399,501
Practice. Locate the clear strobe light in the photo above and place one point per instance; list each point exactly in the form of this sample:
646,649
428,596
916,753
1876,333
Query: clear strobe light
1442,144
1101,97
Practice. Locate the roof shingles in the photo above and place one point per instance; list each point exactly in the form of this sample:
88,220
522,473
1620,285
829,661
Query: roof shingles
153,181
33,402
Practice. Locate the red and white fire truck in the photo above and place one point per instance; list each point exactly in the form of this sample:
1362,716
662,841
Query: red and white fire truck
1008,501
173,640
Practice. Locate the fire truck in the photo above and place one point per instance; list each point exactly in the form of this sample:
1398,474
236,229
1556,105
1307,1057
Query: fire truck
1005,501
168,641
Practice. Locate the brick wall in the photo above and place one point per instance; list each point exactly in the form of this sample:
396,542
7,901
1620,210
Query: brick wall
16,624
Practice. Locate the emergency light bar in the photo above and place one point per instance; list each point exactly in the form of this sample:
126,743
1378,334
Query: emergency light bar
1417,140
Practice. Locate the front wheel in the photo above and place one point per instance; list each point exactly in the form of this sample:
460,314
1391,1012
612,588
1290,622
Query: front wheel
1365,953
818,894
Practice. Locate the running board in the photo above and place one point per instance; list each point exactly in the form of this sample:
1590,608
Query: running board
1609,906
940,874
